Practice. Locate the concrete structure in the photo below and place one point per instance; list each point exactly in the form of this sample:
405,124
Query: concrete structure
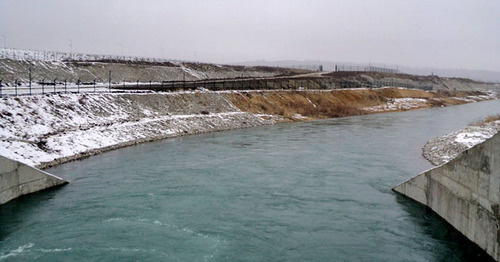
17,179
465,192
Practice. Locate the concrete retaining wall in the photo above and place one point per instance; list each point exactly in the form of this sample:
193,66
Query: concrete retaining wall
465,192
17,179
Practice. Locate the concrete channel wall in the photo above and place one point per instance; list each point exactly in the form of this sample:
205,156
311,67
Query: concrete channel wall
465,192
17,179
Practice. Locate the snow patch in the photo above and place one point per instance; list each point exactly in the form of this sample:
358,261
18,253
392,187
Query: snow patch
472,138
445,148
399,104
42,129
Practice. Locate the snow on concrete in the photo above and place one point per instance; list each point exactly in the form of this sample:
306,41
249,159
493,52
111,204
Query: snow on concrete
445,148
43,130
472,138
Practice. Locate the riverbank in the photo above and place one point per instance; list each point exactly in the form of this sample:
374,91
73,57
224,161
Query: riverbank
44,131
250,188
445,148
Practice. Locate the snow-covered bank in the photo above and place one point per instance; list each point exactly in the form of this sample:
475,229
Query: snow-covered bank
443,149
44,130
47,130
16,65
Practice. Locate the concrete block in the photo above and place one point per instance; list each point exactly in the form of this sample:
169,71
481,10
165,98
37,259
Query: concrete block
483,185
28,174
415,188
457,188
494,188
465,192
9,179
7,165
23,179
9,194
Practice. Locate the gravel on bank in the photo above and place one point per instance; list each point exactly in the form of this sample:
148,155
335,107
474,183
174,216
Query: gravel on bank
444,148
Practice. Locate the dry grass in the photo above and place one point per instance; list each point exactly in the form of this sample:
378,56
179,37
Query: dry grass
449,93
337,103
445,101
403,93
309,104
487,120
492,118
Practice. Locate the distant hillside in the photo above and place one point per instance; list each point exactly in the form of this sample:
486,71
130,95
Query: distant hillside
126,71
479,75
15,65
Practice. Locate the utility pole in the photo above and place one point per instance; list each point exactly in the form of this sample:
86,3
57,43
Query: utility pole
70,49
30,79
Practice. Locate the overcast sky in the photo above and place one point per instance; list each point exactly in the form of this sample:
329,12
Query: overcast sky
445,34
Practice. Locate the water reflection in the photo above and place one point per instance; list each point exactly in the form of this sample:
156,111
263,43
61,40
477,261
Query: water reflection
450,240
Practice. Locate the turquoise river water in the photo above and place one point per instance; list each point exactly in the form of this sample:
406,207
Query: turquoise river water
312,191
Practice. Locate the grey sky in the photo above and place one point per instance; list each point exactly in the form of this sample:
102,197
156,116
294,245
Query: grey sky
449,34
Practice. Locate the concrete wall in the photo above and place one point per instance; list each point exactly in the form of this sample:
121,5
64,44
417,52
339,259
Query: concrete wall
465,192
17,179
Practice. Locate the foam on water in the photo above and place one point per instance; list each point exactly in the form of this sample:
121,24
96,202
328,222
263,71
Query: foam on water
17,251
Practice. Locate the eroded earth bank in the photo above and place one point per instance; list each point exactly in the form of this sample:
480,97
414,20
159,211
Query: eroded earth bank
46,130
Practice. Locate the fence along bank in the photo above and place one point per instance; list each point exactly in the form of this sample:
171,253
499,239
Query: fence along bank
254,83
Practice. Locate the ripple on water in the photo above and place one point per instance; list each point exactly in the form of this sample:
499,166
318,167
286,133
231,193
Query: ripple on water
315,191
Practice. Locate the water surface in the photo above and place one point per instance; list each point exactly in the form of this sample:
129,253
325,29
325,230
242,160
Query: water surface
315,191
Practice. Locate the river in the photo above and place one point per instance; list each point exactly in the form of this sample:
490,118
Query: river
310,191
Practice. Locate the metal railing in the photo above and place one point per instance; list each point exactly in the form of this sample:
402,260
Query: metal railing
46,86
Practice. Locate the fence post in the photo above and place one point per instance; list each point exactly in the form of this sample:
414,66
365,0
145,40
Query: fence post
30,79
109,85
55,79
137,83
183,80
94,85
65,81
1,87
15,87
